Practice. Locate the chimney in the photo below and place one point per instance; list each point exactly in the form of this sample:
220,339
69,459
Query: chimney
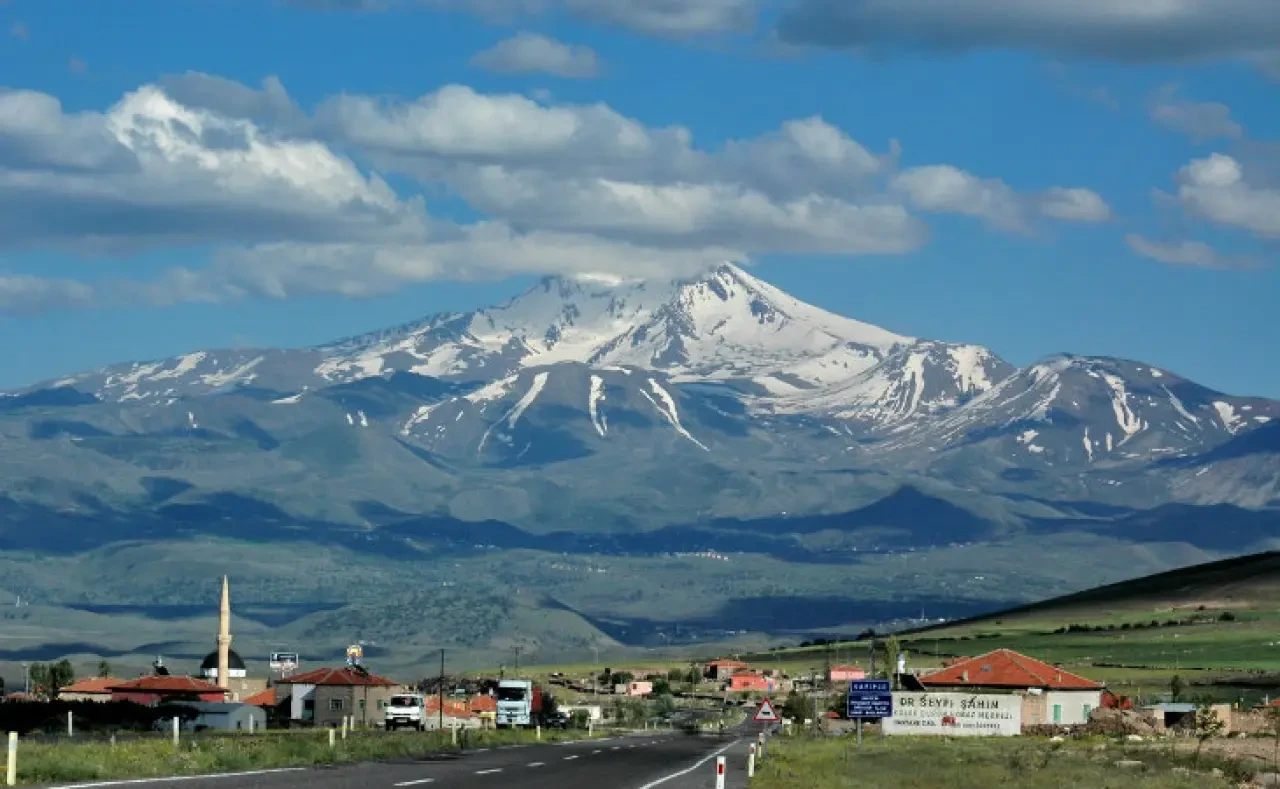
964,676
224,637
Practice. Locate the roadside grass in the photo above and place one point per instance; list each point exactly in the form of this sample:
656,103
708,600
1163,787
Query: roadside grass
153,757
980,763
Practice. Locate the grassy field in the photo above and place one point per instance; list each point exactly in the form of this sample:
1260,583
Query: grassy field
85,760
980,763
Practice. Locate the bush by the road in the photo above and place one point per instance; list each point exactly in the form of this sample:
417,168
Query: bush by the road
979,763
87,760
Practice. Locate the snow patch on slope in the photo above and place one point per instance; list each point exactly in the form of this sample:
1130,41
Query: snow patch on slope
668,410
513,416
593,405
1125,418
241,374
1230,419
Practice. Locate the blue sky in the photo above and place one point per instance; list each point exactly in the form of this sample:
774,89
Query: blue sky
205,173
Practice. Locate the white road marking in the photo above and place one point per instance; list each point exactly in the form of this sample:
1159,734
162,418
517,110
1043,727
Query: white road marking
211,777
595,752
415,783
488,772
567,758
616,748
536,764
688,770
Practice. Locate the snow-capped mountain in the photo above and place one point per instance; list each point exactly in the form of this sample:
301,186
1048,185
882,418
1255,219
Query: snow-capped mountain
723,374
1081,411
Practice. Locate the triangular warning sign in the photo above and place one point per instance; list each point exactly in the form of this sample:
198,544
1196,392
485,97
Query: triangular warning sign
766,713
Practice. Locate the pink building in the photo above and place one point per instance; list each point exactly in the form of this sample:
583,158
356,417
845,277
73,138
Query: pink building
637,688
846,673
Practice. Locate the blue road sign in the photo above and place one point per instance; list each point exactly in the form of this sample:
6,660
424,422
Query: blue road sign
870,698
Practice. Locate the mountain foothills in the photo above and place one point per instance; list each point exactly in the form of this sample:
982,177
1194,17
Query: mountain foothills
596,417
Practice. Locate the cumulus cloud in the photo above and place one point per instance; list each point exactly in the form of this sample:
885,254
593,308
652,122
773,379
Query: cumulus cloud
1199,121
667,18
572,189
1217,189
533,53
151,171
1135,31
1194,254
947,189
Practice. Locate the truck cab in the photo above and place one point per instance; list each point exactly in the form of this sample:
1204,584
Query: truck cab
519,703
407,710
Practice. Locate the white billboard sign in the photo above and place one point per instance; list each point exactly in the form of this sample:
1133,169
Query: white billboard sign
955,714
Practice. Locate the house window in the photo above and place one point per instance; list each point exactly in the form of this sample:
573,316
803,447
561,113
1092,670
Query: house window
337,705
1057,713
381,704
362,705
1087,710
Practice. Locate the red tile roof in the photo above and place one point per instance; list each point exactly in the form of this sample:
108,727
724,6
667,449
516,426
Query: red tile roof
101,685
454,709
483,704
266,698
1005,668
338,676
727,663
166,684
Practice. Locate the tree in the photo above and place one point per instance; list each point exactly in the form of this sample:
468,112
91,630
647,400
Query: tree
797,706
48,678
1208,726
579,719
661,687
104,669
1176,688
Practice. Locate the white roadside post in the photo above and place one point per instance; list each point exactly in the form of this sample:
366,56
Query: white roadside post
251,722
719,772
71,724
333,738
537,732
176,725
11,765
751,761
760,745
453,731
345,725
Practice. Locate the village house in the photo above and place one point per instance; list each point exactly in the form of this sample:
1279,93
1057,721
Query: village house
634,688
325,696
1050,694
486,709
845,674
92,689
720,670
750,682
166,689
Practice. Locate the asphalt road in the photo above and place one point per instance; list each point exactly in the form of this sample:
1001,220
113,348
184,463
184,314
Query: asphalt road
654,761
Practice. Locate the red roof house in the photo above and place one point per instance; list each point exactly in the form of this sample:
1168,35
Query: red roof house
166,688
749,681
92,689
345,677
266,698
481,705
1007,670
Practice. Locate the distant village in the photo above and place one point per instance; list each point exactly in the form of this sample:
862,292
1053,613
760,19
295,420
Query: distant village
1018,694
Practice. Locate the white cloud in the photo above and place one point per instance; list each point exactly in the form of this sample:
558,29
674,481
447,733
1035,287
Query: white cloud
151,171
569,189
1216,189
1194,254
1133,31
667,18
533,53
1074,205
947,189
1200,121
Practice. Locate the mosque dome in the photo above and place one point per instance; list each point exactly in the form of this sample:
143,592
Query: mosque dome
235,666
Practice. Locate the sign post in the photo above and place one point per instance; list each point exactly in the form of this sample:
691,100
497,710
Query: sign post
869,699
766,713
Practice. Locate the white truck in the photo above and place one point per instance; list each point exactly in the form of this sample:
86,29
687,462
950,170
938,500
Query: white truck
519,703
407,710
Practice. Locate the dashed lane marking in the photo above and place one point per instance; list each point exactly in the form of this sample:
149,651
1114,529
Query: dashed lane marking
415,783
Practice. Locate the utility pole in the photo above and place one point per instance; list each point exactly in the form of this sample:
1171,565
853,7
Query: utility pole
26,680
595,674
872,672
517,649
441,689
